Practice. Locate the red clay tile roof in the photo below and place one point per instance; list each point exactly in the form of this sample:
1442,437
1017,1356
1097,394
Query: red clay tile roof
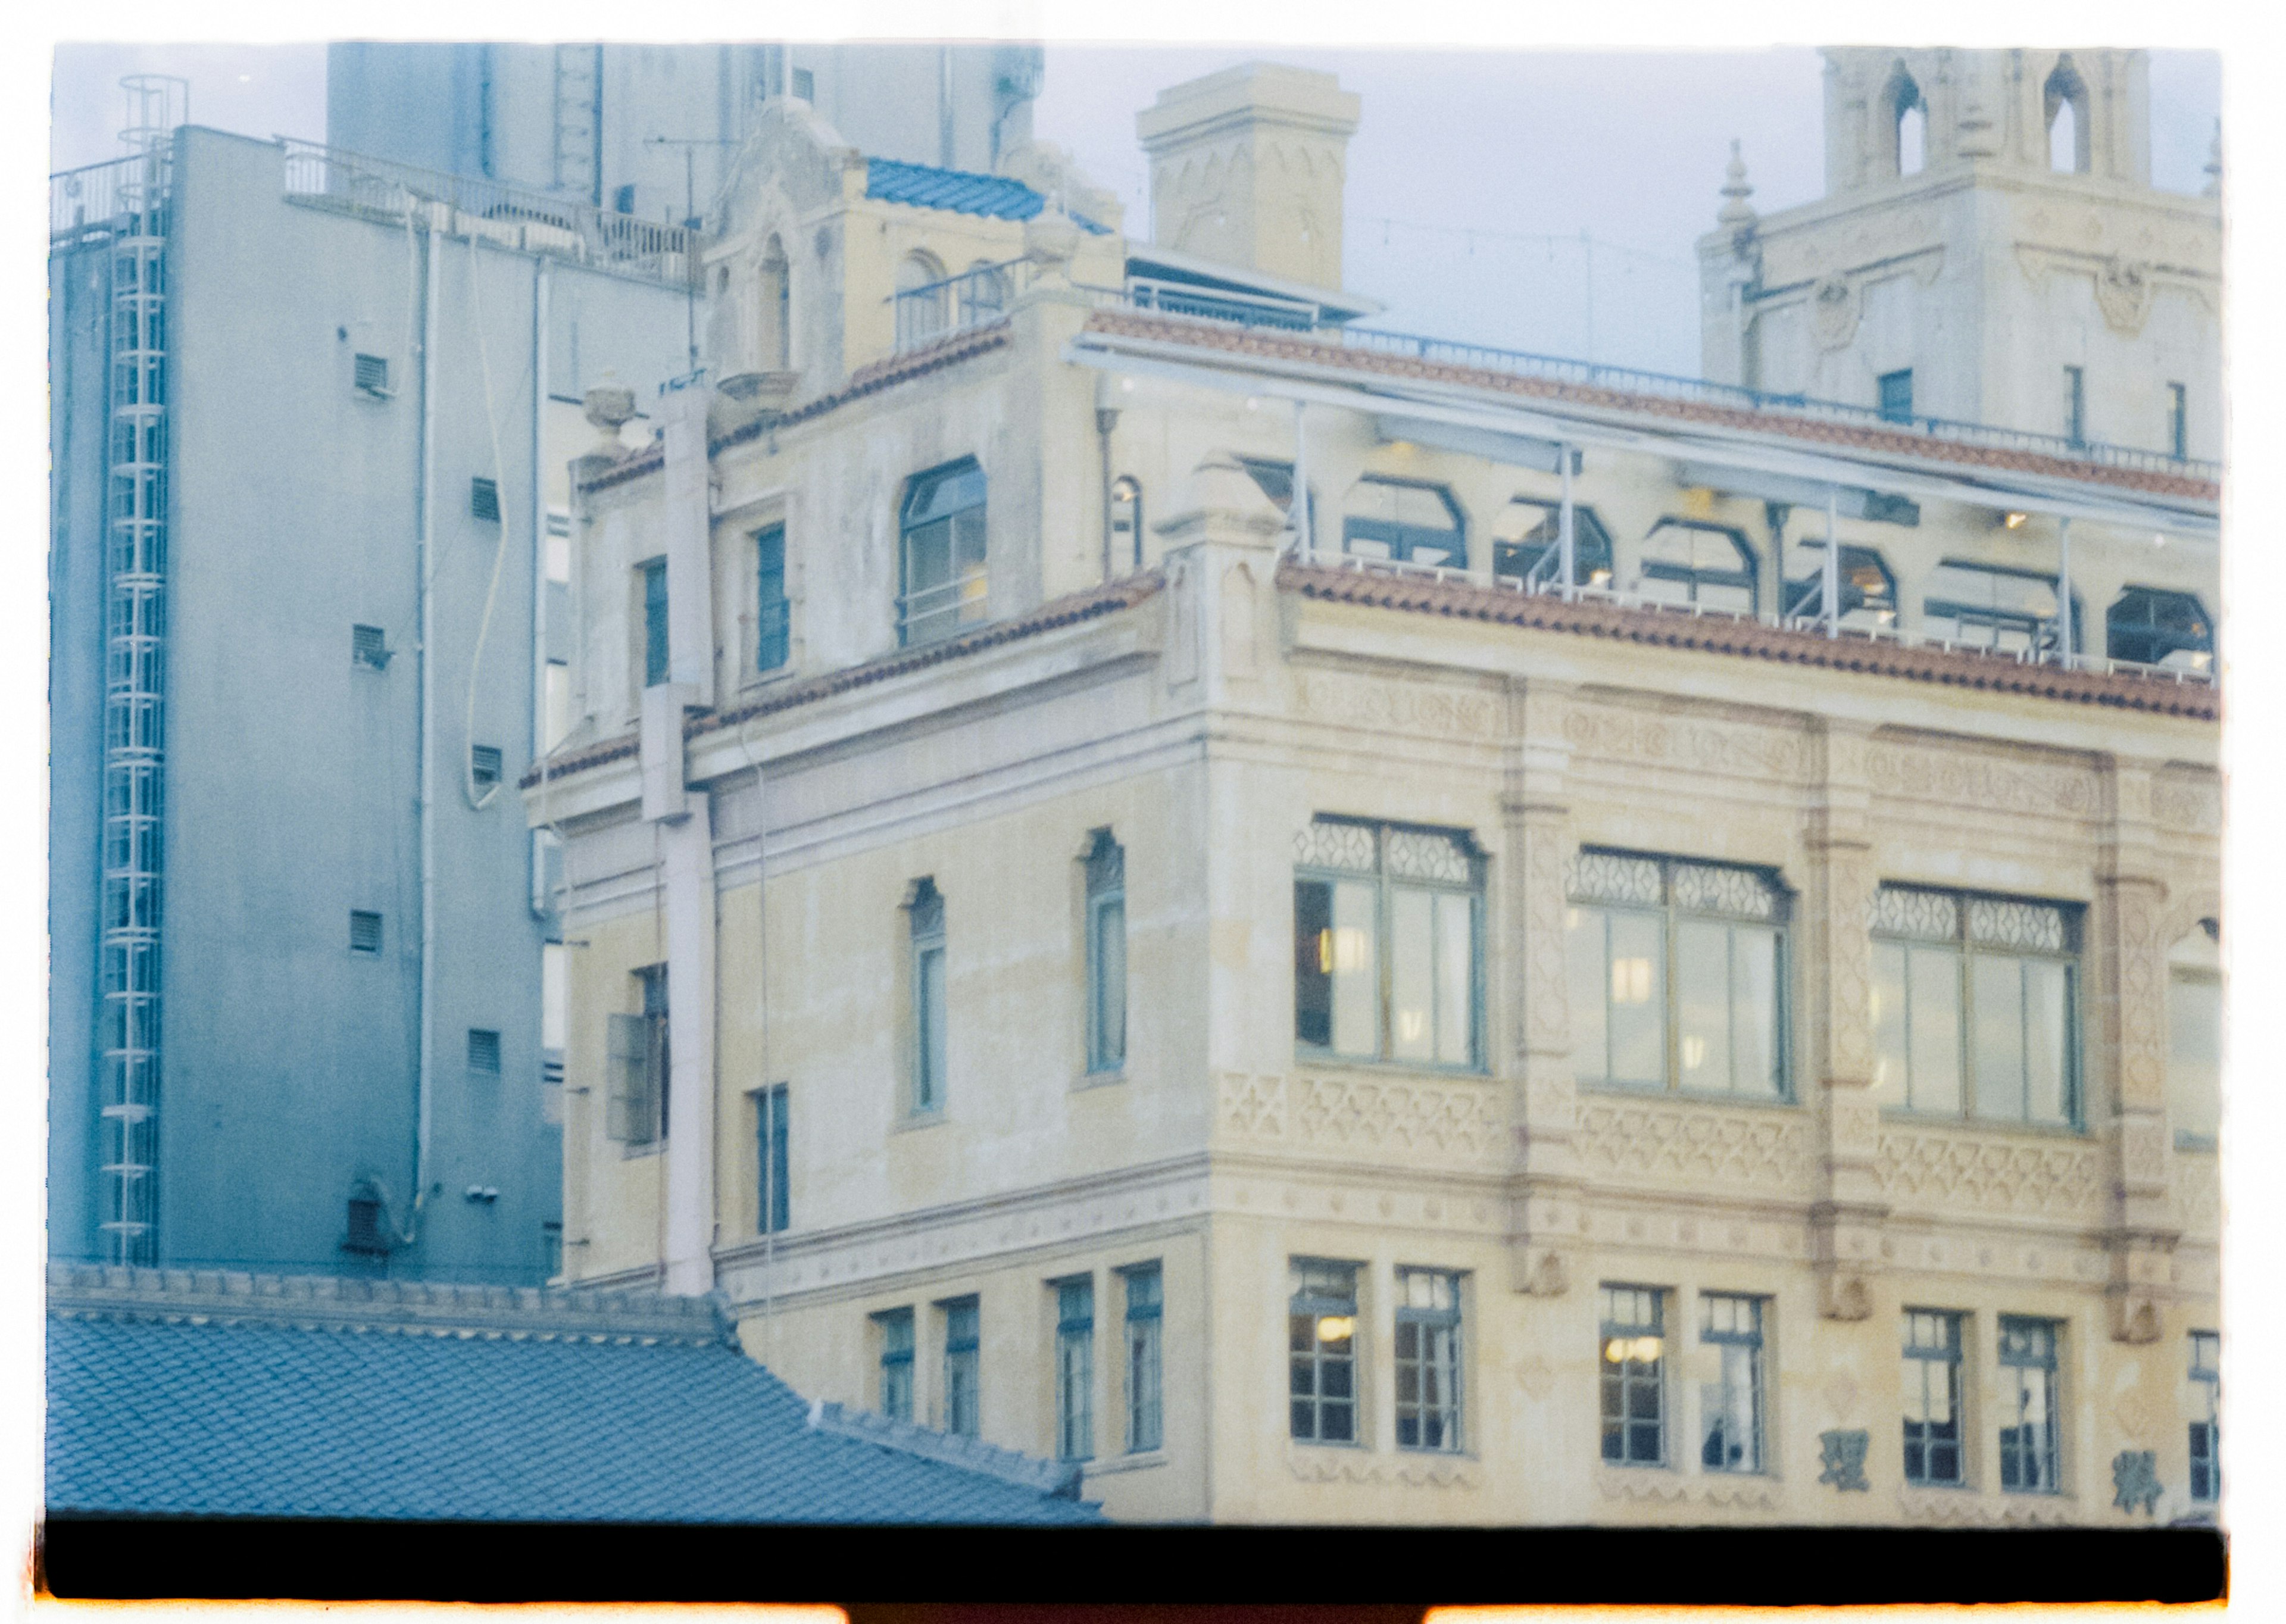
1719,634
1271,344
1068,610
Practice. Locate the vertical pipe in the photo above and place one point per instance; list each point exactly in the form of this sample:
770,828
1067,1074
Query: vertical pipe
1306,543
944,130
1106,420
1830,580
539,508
2064,593
1567,560
424,799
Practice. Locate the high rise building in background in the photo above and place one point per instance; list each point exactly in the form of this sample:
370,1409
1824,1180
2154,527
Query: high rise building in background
312,409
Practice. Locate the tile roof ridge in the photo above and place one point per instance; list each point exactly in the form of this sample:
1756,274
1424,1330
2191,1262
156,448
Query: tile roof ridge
1060,1480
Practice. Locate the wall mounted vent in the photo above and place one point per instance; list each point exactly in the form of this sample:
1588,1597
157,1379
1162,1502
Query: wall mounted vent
373,377
365,931
484,1052
369,647
485,765
484,500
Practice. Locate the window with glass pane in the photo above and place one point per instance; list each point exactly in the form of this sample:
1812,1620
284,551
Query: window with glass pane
1321,1352
1730,1406
1689,561
773,615
1931,1387
2153,627
1428,1359
1144,1313
1633,1358
1974,1006
922,313
1678,974
2195,1038
1527,538
942,524
1076,1370
895,1330
770,1144
654,612
2028,1406
926,922
1866,591
960,1372
1106,954
1985,606
1387,922
1896,395
2206,1416
1398,518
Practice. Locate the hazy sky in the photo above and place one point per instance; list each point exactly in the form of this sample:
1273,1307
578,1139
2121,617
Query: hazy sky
1473,177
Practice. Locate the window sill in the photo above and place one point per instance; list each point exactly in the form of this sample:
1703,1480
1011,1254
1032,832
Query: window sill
1099,1079
1983,1124
1143,1460
636,1152
1325,1058
2203,1144
749,680
913,1120
1694,1096
1328,1443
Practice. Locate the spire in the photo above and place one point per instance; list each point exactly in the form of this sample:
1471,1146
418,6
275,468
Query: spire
2213,188
1736,212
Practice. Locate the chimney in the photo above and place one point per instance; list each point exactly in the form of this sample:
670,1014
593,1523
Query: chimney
1246,169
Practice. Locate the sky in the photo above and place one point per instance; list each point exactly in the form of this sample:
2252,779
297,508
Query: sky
1535,200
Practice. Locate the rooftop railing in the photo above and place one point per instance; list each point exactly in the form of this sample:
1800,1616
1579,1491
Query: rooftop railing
96,199
977,297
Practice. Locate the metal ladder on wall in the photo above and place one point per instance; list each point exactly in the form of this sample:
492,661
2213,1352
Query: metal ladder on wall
579,120
135,606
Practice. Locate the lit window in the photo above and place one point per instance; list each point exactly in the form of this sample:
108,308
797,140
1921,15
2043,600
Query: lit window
1428,1359
961,1341
924,922
1106,954
1386,925
2028,1406
1932,1398
654,621
1395,518
2206,1416
1528,538
1075,1369
1974,1006
1867,593
1983,606
2195,1038
1145,1309
638,1060
1730,1407
942,526
1632,1355
772,1203
896,1330
1689,561
773,615
1677,970
1321,1347
2151,626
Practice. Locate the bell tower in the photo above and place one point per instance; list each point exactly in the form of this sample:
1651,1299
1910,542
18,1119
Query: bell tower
1990,249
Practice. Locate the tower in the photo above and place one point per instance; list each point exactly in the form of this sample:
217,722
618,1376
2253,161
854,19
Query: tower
1990,249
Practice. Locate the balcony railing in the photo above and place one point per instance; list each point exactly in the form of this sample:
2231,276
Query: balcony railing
977,297
97,198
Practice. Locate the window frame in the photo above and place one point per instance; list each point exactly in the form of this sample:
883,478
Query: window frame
1746,578
1967,952
1144,1356
2178,422
773,1158
1430,1357
1948,1352
2044,1454
1754,1345
2204,1374
636,1113
1103,880
961,1390
917,629
1385,889
895,1367
930,1051
2181,975
1672,914
1894,393
2198,641
772,646
1316,1308
1075,1366
2042,634
1400,540
1593,550
1627,1336
1802,595
652,642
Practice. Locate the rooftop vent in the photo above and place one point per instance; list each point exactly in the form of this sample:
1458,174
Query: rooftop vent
484,500
365,931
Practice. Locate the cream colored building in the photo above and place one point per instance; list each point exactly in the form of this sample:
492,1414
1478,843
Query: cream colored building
1503,991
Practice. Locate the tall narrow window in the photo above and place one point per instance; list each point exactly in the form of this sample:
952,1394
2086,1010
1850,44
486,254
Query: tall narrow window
1633,1349
775,299
961,1327
558,560
2206,1417
1387,921
654,622
1321,1352
2065,99
942,524
1898,396
1730,1406
2178,422
895,1330
1126,522
1145,1309
2028,1445
1106,954
1401,519
926,922
1931,1386
773,1204
2195,1038
1908,124
773,615
1428,1359
2152,626
1678,971
1075,1369
638,1065
2076,405
555,1021
484,500
920,300
1974,1005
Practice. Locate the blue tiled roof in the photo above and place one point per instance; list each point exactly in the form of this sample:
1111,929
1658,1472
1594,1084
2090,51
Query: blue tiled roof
994,196
269,1419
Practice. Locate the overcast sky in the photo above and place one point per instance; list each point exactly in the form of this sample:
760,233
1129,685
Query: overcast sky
1472,178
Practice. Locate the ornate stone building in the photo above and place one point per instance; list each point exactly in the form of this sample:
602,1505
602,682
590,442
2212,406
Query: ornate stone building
1349,929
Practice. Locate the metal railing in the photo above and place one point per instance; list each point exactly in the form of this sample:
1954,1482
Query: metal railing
93,199
1224,304
932,613
376,189
945,309
1617,598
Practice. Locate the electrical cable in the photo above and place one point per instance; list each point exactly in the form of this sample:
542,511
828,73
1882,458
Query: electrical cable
500,548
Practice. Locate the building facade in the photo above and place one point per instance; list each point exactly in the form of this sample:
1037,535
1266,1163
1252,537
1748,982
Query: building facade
1348,930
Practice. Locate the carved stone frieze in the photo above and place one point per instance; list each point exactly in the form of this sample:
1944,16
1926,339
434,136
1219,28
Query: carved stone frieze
1676,1488
1943,1169
2181,801
1335,1465
1960,778
1766,1152
1707,746
2198,1184
1430,1124
1405,707
1968,1509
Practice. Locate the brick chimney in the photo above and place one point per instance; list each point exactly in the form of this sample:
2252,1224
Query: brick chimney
1247,168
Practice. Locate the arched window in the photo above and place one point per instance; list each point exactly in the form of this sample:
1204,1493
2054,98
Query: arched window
1126,520
942,529
2195,1036
1527,540
1396,518
2065,96
921,313
2155,627
775,312
1689,561
1908,124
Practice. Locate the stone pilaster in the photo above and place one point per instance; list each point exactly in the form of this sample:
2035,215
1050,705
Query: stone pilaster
1545,1185
2125,1083
1837,984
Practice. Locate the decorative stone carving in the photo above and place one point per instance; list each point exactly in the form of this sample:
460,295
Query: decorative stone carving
1430,1123
1940,1169
1675,1489
1358,1466
2135,1480
1960,778
1404,707
2198,1193
1747,751
1841,1459
1833,308
2187,803
1655,1142
1967,1508
2122,292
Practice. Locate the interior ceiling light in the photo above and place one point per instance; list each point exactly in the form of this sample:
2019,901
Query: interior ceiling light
2016,521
